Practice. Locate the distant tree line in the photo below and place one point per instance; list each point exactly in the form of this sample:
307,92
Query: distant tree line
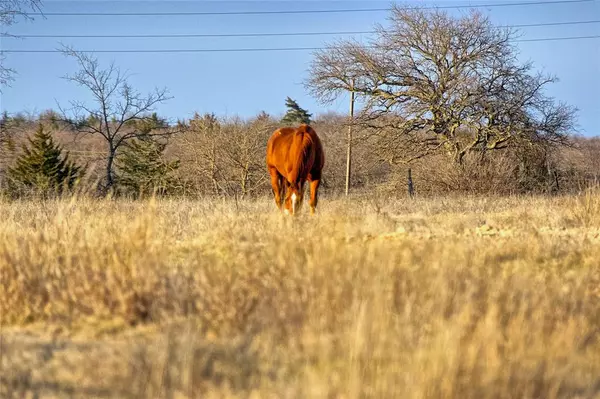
211,156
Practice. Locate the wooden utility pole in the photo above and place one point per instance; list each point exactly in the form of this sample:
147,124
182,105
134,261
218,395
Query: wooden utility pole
349,149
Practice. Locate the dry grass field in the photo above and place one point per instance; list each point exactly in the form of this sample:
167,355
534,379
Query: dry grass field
456,297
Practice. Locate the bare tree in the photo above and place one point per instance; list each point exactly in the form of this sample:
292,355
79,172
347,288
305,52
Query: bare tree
225,156
244,153
119,113
10,11
432,82
202,146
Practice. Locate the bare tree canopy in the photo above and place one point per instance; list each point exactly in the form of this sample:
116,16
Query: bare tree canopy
118,112
431,81
10,11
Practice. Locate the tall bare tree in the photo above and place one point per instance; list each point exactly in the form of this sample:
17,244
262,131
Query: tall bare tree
118,112
243,153
430,82
10,11
202,150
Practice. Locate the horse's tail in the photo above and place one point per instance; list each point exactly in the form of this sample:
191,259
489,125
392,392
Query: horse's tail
304,144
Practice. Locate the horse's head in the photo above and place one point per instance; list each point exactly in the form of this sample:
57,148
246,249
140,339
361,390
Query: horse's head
294,198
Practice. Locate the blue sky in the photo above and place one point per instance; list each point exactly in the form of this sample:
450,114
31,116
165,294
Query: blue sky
245,83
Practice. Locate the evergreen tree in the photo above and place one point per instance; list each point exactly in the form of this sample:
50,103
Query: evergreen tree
295,114
41,168
142,169
146,125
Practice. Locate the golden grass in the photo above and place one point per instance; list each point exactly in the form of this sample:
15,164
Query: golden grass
434,298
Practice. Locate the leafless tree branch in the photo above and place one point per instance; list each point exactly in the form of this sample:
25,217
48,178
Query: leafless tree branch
432,82
10,12
118,112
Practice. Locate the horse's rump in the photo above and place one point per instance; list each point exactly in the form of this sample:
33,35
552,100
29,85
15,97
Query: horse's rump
293,152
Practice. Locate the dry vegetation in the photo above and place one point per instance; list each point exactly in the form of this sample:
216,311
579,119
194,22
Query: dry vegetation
465,297
227,159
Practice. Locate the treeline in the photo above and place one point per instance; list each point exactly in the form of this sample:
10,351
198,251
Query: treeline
211,156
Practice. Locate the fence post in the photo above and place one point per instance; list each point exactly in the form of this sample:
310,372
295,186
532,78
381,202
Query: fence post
411,189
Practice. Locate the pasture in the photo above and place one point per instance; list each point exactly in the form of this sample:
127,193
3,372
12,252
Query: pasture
453,297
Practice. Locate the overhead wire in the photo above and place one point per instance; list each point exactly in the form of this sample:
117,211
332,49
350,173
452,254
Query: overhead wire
267,12
270,34
255,49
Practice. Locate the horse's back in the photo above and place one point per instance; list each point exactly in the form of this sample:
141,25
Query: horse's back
288,145
280,137
278,145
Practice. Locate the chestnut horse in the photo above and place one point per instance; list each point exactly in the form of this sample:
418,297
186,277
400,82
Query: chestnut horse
294,156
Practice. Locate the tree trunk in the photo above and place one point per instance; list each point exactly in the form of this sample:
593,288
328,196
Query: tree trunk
245,180
459,156
109,168
213,168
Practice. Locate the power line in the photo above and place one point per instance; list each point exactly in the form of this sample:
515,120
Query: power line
184,35
222,50
190,13
190,35
231,50
546,39
551,24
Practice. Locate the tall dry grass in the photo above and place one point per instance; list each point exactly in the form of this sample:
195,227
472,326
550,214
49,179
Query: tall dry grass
465,297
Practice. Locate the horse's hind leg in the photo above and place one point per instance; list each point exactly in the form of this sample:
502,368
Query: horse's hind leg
314,196
277,186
